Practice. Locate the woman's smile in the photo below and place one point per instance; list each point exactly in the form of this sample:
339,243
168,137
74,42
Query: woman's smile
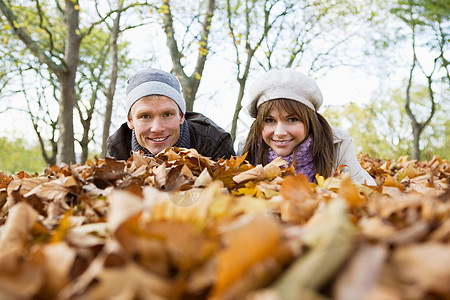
282,132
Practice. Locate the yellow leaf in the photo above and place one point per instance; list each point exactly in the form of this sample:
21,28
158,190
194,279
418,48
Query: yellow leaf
411,171
63,228
250,189
320,180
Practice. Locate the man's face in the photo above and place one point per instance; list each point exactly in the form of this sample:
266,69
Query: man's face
156,120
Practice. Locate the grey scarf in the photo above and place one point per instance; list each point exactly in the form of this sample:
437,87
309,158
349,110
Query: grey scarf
184,141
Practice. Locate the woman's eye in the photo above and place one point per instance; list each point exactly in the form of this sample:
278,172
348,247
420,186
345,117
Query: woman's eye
292,120
269,120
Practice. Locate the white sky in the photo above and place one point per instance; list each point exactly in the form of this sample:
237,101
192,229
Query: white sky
218,91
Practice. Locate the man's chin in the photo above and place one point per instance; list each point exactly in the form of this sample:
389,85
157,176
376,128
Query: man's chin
156,149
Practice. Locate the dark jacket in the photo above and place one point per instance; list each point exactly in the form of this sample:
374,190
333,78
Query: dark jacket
206,137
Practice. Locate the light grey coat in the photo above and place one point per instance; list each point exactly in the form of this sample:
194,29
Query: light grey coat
345,155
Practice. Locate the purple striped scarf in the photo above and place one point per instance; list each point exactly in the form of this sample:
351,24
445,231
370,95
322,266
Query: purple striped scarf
303,159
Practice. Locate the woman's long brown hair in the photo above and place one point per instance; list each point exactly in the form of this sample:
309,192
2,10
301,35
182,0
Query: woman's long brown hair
315,124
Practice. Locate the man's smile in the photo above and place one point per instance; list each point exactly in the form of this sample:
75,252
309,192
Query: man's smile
158,140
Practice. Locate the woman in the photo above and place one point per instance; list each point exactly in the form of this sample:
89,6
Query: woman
284,104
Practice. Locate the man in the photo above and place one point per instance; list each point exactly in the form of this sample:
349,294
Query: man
157,119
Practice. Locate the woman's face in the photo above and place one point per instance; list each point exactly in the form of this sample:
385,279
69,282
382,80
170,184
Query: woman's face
282,131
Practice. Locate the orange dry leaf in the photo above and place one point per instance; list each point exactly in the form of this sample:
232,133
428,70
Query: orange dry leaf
350,192
4,180
259,237
295,188
392,182
298,205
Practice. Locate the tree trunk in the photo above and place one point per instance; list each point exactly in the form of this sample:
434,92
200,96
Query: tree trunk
112,84
189,94
237,109
415,151
66,149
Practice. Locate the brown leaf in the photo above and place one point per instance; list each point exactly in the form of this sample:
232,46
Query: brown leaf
426,267
362,273
58,262
56,190
25,280
18,226
25,185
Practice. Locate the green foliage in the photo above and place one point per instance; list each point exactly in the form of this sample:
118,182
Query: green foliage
16,155
382,128
372,128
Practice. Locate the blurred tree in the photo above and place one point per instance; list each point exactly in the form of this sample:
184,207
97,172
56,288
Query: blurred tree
381,127
187,40
93,71
43,117
98,72
429,24
248,33
313,36
60,53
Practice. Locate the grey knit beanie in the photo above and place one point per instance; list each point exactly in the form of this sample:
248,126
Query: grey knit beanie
154,82
286,84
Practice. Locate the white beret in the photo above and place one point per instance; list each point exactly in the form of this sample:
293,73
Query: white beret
286,84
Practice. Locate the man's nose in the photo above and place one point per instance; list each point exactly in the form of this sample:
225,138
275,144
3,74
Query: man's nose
157,125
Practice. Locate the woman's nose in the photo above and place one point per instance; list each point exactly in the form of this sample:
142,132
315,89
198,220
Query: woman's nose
280,129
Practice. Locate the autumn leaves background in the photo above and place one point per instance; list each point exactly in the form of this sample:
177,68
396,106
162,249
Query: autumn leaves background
181,226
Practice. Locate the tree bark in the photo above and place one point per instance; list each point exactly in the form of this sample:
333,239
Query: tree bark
66,149
115,31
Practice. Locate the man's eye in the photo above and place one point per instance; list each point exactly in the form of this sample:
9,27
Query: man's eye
145,117
168,115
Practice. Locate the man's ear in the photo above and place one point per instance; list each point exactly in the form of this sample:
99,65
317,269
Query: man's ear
130,123
181,118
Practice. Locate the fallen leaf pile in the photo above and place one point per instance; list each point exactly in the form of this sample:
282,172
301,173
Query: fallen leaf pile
181,226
